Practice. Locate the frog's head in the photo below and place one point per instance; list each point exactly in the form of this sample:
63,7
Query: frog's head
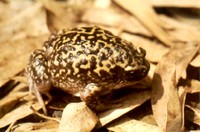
138,67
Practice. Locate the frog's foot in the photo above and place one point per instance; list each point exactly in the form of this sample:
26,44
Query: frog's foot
92,94
41,100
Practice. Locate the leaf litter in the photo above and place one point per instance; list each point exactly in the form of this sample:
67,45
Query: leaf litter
167,30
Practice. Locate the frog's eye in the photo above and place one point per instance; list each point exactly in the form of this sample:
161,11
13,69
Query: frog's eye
135,73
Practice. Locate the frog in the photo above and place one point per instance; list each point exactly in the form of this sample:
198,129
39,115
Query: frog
87,62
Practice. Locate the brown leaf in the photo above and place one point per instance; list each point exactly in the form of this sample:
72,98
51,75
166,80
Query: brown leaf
50,126
10,101
77,117
134,126
64,14
16,48
176,3
148,45
111,17
29,22
182,98
178,30
143,10
164,92
196,117
184,57
21,79
193,86
132,101
165,99
18,113
14,57
196,61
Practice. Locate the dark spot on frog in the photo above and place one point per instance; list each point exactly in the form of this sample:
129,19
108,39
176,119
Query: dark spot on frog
100,45
93,63
71,56
108,50
77,65
126,56
102,56
108,32
93,51
84,61
108,65
71,48
112,60
88,29
79,53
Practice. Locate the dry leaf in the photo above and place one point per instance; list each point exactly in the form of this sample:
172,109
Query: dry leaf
64,14
164,95
49,126
176,3
111,17
178,30
149,46
196,114
132,101
184,57
29,22
21,79
193,86
182,98
165,99
17,47
196,61
144,12
18,113
12,64
10,101
77,117
134,126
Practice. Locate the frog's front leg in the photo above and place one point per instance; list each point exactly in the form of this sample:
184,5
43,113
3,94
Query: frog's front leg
38,76
92,94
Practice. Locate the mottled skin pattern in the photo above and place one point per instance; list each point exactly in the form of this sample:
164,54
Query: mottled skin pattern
86,62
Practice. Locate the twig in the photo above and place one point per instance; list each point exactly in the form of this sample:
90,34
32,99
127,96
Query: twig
44,116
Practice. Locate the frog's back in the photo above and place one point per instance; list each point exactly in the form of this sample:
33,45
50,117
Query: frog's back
88,55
